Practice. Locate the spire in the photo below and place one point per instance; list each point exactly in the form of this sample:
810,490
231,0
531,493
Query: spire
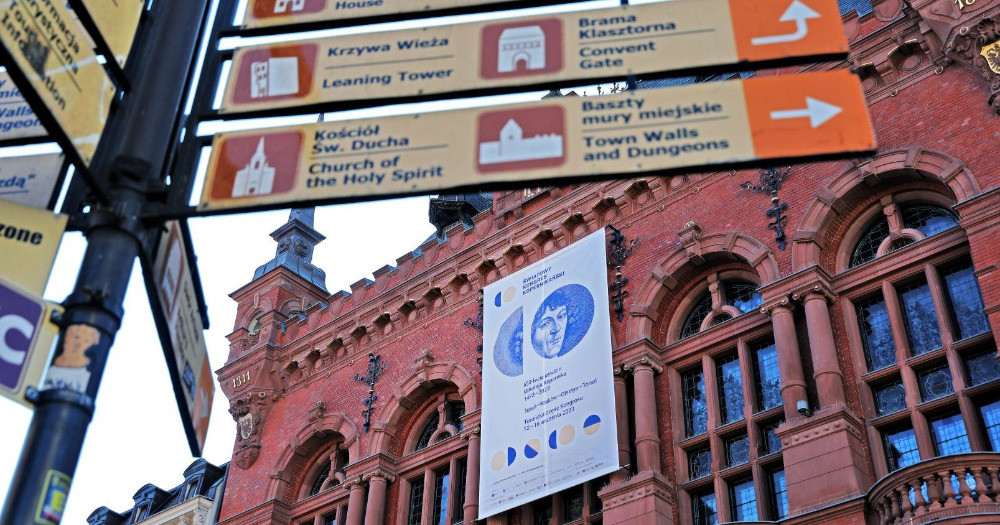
296,240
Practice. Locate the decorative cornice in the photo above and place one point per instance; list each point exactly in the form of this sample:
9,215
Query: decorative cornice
797,286
644,358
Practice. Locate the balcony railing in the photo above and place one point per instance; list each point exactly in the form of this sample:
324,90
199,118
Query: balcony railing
937,488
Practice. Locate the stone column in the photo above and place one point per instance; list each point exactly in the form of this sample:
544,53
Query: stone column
647,438
375,510
471,510
826,368
356,504
621,418
793,386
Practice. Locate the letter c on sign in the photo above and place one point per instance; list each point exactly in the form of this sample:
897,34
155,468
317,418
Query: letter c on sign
8,323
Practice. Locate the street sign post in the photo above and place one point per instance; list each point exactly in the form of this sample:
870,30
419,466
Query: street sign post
26,337
52,55
552,50
271,13
29,240
179,321
31,180
695,127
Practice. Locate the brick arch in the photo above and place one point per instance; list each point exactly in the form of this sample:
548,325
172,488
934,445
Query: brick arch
304,445
912,163
265,305
654,290
410,393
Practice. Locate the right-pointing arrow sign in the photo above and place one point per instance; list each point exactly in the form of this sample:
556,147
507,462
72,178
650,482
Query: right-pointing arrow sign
817,111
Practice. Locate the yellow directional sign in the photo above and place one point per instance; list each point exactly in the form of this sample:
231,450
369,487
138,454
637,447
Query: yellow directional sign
26,337
29,240
117,21
52,53
267,13
17,120
639,131
603,43
186,351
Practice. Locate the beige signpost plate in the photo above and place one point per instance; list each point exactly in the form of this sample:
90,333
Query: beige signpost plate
117,21
26,337
17,120
29,240
188,354
269,13
643,39
52,52
30,180
636,132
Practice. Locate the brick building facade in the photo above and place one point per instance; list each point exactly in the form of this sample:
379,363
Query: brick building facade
845,373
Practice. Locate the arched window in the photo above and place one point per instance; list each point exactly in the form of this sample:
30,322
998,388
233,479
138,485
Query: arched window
886,233
718,304
254,325
328,472
436,484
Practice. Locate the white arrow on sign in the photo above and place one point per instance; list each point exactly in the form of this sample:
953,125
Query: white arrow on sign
817,111
797,12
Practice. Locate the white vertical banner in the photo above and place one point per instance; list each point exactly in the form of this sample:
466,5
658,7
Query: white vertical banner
548,420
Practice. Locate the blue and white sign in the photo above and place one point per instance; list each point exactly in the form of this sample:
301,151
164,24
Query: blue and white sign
30,180
17,120
548,418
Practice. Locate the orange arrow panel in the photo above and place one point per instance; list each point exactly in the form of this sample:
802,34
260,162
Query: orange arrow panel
798,115
809,24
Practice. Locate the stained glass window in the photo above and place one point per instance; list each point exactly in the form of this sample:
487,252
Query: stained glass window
928,219
771,442
966,303
416,501
321,476
543,511
573,504
949,435
692,325
867,247
982,368
890,398
921,320
737,451
743,296
428,433
780,492
991,419
876,334
766,376
901,448
935,383
458,515
440,498
703,509
744,500
330,519
700,463
455,410
730,388
695,405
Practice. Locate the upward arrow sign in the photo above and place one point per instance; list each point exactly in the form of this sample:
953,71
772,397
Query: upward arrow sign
797,12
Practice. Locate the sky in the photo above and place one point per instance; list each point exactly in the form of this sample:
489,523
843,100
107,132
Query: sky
136,436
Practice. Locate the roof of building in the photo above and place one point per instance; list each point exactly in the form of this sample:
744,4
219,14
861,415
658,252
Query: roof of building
201,478
296,241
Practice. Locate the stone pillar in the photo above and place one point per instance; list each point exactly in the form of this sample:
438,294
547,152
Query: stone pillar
647,438
826,368
980,218
621,418
375,510
471,510
356,504
793,386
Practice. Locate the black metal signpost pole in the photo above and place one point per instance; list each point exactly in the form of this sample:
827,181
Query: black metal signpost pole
133,153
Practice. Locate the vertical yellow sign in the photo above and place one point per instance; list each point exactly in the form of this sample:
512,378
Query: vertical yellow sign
117,21
48,47
29,240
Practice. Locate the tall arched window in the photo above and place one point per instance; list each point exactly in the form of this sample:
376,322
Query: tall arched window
722,299
434,489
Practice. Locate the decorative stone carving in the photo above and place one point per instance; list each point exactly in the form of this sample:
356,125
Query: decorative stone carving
250,412
691,236
978,48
